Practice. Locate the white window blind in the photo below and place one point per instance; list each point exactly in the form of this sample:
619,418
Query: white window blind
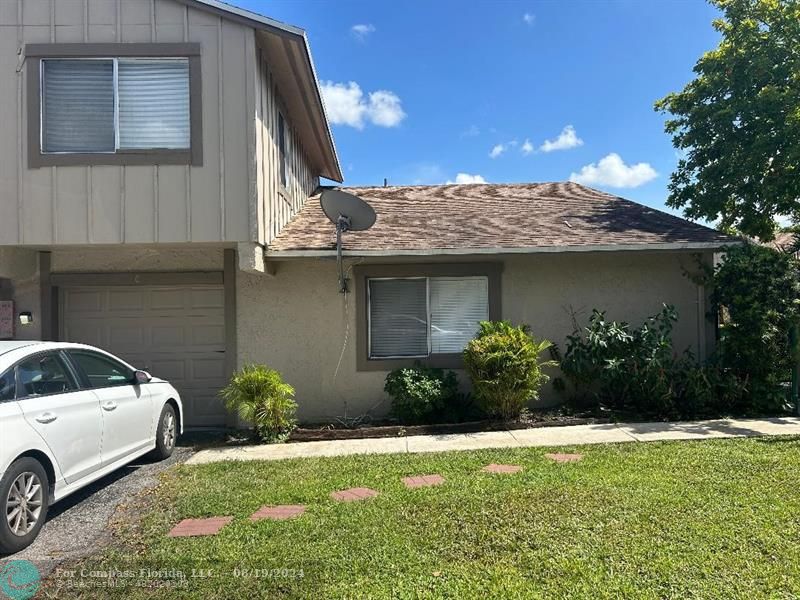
153,103
78,106
457,305
422,316
398,316
109,104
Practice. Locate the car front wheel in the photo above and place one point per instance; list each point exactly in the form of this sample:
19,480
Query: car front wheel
167,433
24,496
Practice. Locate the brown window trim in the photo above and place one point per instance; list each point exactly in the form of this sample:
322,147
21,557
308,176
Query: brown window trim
491,270
35,53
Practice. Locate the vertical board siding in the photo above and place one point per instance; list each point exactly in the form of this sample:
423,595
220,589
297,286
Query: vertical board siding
132,204
278,204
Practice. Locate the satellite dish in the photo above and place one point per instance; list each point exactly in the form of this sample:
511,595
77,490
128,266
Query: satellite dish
349,213
336,203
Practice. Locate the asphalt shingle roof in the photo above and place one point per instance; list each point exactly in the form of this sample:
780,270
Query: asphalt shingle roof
494,216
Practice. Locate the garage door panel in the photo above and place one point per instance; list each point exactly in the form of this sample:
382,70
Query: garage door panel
168,335
126,336
88,333
126,301
208,369
200,298
84,302
209,335
170,299
206,407
176,333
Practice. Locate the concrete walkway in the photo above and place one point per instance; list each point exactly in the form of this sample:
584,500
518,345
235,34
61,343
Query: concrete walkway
518,438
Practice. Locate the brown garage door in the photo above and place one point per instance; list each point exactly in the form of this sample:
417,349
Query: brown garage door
177,333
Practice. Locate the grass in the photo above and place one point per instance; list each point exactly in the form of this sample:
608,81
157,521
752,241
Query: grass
711,519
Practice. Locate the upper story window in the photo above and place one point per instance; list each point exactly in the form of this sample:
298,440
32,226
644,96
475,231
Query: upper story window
120,104
108,105
282,149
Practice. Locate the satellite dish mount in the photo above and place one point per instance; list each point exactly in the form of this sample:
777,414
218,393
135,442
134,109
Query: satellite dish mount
348,213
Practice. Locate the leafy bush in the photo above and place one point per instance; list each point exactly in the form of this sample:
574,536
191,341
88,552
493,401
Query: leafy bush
261,397
756,294
503,363
609,363
420,394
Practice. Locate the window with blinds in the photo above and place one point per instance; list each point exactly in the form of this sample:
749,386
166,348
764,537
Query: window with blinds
417,317
112,105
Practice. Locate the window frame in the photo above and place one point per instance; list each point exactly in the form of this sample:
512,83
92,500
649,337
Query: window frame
68,370
36,53
364,273
13,371
283,151
83,376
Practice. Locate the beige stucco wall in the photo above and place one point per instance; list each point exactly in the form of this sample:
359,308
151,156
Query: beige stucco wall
121,259
297,322
19,281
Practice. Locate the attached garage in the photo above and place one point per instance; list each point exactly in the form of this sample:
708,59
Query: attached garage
176,332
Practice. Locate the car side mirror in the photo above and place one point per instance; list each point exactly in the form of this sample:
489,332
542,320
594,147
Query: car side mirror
140,377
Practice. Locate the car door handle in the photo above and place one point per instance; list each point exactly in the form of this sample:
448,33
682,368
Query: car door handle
109,406
46,417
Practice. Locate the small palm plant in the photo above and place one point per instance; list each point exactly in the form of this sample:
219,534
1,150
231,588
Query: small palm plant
261,397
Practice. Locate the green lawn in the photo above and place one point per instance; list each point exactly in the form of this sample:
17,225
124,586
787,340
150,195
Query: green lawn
711,519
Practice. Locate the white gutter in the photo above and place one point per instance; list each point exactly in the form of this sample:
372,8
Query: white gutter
279,254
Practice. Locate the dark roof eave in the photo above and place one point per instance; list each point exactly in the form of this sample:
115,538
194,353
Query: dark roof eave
432,252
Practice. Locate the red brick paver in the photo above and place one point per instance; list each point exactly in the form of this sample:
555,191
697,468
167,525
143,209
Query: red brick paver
353,494
564,458
193,527
423,480
495,468
278,513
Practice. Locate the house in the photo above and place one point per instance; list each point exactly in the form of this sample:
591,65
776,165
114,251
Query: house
160,199
149,151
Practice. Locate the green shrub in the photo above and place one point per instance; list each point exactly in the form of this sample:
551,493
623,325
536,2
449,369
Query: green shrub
756,296
261,397
419,394
627,369
503,363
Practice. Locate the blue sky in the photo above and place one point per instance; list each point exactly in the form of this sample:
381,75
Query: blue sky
422,91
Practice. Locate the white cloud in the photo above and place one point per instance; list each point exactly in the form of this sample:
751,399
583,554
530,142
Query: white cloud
529,18
471,131
362,30
566,139
345,104
527,147
497,150
463,178
612,171
385,109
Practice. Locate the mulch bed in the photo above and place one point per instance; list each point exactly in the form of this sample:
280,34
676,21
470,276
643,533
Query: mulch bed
333,432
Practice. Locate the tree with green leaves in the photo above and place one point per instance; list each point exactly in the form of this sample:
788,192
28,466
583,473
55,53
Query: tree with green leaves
737,123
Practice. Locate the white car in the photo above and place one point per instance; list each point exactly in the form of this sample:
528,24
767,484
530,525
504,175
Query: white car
70,414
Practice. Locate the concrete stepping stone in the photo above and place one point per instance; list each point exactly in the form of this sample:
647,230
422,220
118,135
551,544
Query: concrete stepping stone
418,481
495,468
564,458
354,494
278,513
196,527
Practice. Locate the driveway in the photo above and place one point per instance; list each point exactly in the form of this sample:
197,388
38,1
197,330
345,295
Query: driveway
78,525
